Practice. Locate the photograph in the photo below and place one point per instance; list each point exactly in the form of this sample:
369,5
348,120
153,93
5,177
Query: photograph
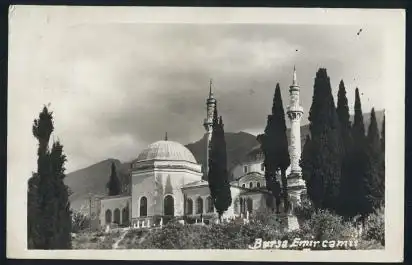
238,134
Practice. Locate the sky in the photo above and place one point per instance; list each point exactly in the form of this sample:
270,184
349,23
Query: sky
114,88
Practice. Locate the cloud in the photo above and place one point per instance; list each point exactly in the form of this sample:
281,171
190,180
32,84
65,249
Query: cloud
115,88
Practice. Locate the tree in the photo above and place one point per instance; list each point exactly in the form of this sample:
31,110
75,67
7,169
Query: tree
323,167
218,176
383,135
48,213
355,201
342,110
113,185
275,149
374,174
63,215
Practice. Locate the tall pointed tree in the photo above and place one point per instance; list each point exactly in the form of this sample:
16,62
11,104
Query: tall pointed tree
275,148
342,110
62,239
383,135
113,185
49,216
375,177
218,175
356,203
324,165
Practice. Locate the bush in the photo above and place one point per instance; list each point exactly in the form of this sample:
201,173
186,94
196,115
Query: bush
80,222
304,211
230,235
375,226
267,217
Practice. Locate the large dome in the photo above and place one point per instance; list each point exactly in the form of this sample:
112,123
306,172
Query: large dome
166,150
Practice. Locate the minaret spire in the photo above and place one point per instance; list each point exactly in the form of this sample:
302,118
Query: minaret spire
208,125
210,89
294,83
166,136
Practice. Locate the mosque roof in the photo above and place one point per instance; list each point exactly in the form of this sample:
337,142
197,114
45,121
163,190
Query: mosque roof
166,150
197,183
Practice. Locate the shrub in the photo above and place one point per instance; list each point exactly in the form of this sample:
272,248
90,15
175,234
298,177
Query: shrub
230,235
304,210
80,222
375,226
267,217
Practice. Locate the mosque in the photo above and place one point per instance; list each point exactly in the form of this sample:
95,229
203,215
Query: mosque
166,181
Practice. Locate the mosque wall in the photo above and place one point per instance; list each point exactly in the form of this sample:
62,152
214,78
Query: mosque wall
244,168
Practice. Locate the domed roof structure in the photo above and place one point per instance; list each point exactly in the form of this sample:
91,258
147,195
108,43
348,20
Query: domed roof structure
166,150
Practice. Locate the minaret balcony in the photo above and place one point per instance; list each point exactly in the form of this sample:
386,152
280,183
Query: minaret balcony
295,108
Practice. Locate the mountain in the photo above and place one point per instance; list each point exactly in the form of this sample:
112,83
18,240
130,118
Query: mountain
93,179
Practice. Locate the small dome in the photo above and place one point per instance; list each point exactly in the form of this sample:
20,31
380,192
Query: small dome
166,150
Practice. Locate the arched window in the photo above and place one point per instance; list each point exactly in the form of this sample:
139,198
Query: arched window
245,168
243,186
189,206
169,205
241,205
125,215
199,205
108,216
116,216
258,184
250,184
249,205
210,206
143,206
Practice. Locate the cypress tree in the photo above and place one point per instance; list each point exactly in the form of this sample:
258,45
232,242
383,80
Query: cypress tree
275,149
218,175
114,183
374,174
324,165
383,135
49,216
62,239
342,110
356,202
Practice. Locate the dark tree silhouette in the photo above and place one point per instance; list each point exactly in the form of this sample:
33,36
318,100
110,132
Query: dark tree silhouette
218,175
49,215
275,149
113,186
323,167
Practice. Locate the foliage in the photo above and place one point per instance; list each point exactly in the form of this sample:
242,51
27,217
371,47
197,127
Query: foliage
216,236
267,217
275,149
48,213
80,222
322,164
375,226
304,210
218,175
342,110
374,174
113,186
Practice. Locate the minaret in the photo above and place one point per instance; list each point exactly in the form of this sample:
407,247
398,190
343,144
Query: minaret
296,185
208,125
